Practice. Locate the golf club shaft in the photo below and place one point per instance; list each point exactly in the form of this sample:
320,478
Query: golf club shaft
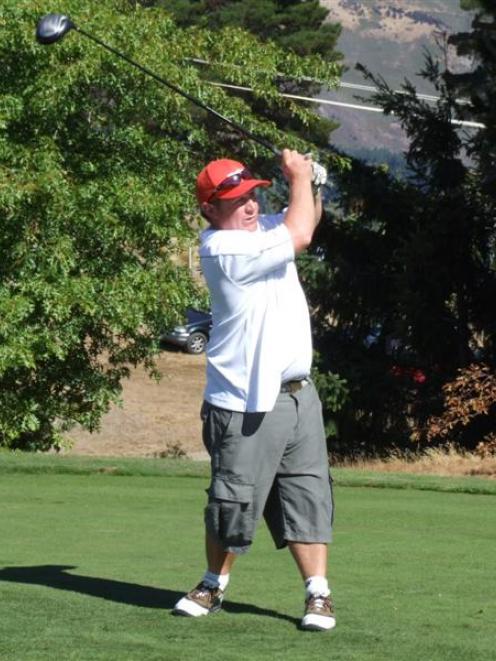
181,92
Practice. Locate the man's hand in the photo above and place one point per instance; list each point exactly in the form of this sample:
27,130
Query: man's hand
303,210
296,166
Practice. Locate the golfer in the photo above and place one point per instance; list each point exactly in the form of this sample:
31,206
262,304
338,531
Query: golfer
262,418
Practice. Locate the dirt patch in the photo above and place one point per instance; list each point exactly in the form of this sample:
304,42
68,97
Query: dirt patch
154,417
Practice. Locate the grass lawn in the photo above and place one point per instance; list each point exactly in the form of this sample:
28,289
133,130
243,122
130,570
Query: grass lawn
93,556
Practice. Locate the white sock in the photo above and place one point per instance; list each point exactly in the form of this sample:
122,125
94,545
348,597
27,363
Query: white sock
216,580
317,585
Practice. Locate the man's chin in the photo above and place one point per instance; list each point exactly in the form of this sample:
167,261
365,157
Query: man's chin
250,225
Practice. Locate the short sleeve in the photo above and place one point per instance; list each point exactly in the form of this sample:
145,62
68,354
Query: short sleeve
263,253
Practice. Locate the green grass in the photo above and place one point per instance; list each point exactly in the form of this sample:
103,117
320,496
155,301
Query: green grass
27,463
91,562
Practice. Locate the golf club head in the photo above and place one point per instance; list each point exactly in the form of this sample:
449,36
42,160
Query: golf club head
52,28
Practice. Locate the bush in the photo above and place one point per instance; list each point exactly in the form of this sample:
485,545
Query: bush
469,416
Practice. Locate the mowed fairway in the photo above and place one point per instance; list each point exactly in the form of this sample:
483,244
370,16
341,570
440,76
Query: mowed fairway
90,565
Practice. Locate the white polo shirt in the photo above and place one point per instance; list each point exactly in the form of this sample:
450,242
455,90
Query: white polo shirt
261,334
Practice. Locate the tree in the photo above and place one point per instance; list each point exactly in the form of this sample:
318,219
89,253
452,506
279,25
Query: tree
404,281
296,25
478,86
470,4
97,166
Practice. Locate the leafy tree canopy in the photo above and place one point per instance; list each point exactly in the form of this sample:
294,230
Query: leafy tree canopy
297,25
471,4
97,164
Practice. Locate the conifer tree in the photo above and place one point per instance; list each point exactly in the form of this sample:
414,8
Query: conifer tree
478,86
404,280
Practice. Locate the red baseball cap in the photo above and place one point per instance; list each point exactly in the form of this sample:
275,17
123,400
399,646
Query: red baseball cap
225,180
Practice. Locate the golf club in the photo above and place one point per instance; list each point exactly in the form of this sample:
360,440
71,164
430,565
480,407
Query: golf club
53,27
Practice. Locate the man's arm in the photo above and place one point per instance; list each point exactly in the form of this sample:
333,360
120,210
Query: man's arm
318,207
304,211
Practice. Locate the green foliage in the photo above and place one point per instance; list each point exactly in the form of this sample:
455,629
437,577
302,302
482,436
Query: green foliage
403,281
97,165
296,25
470,4
392,162
334,394
478,86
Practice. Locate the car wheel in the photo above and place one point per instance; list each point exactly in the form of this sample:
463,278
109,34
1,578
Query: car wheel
196,343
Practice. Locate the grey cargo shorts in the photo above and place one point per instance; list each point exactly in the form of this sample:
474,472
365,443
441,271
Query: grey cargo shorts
272,464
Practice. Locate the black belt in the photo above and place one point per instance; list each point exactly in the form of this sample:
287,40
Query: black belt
293,386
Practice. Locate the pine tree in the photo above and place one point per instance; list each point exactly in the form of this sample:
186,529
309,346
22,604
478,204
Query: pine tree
404,280
479,87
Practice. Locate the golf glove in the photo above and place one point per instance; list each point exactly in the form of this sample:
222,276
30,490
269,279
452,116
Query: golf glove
319,175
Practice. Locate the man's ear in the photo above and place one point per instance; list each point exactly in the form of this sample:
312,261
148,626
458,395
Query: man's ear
208,211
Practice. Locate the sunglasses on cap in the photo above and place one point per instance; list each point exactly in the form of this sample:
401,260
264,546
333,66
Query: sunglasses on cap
232,181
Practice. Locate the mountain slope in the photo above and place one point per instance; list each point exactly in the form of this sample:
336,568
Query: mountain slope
390,38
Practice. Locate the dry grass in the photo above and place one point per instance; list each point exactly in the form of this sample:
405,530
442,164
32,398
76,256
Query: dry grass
162,420
448,460
156,419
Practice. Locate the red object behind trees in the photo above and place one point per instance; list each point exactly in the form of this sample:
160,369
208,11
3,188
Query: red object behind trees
415,374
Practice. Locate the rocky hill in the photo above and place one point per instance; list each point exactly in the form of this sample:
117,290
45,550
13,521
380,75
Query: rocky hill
395,20
390,38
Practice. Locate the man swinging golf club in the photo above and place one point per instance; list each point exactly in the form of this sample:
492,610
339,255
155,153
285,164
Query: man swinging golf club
262,421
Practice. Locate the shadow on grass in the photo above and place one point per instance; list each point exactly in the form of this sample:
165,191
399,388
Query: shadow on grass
56,576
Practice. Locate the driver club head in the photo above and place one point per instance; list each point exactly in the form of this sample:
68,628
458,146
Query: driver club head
52,28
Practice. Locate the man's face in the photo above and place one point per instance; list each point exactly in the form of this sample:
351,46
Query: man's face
240,213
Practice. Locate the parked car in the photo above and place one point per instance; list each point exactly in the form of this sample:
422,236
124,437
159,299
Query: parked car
193,335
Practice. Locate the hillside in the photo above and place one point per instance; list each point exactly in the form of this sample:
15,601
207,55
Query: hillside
390,38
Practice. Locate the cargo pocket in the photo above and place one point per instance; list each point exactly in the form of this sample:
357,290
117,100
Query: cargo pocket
229,514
